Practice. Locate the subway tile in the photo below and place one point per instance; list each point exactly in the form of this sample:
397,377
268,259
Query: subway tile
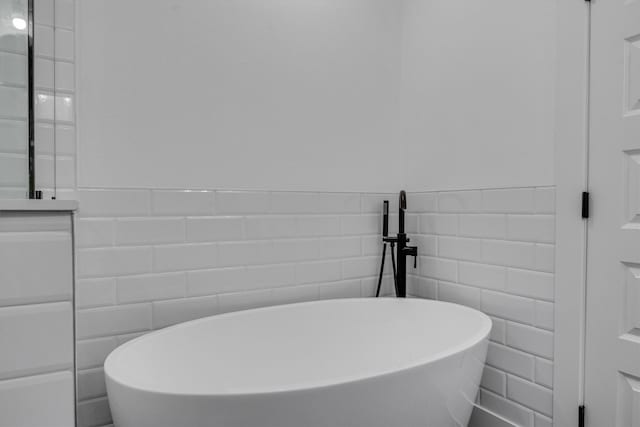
151,287
338,203
517,200
361,224
191,256
544,372
206,229
498,330
64,108
270,276
13,68
233,254
545,258
182,202
242,202
508,306
427,245
494,380
510,254
446,224
459,294
94,232
49,345
422,202
343,289
360,267
171,312
544,315
530,284
105,262
295,294
99,322
149,231
94,413
292,202
530,395
531,340
519,415
108,203
369,286
65,139
531,228
270,227
43,11
64,44
510,360
91,384
438,268
423,287
245,300
316,272
41,400
209,282
460,248
542,421
340,247
460,201
92,353
64,13
482,275
64,76
318,225
44,43
491,226
297,250
95,292
545,200
44,71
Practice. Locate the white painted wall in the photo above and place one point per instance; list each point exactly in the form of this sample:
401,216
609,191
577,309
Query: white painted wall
247,94
478,100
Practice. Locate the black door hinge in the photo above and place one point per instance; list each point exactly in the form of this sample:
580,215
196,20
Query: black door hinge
581,416
585,205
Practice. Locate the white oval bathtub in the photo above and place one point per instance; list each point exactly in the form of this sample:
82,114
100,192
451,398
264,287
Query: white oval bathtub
338,363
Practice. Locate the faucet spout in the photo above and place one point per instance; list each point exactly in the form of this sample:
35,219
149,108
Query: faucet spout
403,206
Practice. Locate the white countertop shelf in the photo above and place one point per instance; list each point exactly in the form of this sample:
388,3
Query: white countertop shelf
37,205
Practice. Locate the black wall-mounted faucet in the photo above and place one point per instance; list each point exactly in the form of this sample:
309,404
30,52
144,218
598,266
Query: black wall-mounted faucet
403,250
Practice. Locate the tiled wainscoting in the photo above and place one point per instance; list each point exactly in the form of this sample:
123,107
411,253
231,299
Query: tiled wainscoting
36,319
494,250
147,259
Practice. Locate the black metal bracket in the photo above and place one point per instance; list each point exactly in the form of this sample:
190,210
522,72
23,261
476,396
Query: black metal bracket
585,205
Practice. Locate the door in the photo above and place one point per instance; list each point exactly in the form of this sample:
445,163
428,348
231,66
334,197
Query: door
612,382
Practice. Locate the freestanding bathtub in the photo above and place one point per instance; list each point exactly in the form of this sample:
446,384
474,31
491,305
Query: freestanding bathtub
337,363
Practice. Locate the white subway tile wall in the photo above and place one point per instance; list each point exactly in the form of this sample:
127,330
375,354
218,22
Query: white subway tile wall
494,250
147,259
36,319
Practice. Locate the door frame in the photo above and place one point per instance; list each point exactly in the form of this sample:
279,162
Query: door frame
571,168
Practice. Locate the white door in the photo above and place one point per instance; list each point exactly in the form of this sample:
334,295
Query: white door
612,383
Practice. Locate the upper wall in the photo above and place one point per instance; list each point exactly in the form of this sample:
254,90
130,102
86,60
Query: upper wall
478,85
316,95
243,94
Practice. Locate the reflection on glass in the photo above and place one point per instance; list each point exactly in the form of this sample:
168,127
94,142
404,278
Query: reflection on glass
14,109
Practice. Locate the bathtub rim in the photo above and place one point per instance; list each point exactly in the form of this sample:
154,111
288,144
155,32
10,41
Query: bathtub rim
465,345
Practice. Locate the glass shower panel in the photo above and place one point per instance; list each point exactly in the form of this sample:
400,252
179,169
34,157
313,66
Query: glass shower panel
14,96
